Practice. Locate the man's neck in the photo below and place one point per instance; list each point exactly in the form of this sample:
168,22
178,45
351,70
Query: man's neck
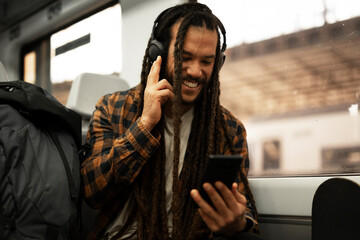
167,108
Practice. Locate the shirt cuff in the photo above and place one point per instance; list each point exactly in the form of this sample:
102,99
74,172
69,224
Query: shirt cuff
142,139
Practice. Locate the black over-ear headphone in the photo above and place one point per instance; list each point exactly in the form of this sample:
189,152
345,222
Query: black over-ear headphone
156,48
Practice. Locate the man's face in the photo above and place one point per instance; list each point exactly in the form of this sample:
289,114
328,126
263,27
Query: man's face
199,53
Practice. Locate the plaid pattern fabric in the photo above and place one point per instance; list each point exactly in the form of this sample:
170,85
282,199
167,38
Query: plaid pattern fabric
121,146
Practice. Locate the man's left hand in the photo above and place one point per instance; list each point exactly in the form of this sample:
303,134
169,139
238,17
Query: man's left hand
228,215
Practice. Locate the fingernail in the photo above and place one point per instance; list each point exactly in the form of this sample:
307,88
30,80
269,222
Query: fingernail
193,193
207,186
218,185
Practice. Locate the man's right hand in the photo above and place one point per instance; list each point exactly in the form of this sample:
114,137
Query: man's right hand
155,95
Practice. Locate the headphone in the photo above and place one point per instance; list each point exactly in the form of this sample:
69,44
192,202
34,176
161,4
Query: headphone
156,47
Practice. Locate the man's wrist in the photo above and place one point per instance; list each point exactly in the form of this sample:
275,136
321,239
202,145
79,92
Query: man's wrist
146,124
245,222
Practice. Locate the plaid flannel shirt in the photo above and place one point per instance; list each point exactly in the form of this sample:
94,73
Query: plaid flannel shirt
121,146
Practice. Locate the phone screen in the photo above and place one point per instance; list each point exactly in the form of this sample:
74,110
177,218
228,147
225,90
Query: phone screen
223,168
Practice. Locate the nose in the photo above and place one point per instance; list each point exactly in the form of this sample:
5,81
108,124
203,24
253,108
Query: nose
194,69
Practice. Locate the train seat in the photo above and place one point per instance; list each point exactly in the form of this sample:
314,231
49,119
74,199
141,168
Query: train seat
87,89
336,210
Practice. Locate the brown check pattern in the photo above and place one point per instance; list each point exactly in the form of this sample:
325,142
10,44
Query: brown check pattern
121,146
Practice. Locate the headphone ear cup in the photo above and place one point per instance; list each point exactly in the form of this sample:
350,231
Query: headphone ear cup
222,57
155,49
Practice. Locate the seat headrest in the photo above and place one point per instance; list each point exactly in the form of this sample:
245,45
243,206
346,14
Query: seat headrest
3,75
87,89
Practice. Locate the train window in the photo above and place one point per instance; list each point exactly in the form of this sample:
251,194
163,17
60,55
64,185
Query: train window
91,45
292,76
30,67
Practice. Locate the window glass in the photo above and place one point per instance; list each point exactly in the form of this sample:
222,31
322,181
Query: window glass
292,76
30,67
91,45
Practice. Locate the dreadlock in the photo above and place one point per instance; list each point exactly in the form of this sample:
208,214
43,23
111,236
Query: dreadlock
150,196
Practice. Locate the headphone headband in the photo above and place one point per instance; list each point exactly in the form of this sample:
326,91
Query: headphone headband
156,47
157,20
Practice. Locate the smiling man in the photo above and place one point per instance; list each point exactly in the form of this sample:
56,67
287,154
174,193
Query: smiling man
151,144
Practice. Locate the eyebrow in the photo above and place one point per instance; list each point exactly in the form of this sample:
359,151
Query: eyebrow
189,53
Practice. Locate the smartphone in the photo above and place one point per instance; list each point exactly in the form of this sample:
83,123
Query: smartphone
223,168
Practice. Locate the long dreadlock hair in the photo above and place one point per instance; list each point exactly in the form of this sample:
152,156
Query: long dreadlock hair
150,211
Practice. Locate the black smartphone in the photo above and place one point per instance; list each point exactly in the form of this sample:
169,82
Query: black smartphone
223,168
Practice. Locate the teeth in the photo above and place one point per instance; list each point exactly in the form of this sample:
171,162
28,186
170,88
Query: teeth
190,84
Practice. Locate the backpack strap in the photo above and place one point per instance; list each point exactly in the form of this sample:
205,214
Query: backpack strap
70,179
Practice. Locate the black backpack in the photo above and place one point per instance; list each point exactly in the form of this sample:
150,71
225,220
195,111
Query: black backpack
39,165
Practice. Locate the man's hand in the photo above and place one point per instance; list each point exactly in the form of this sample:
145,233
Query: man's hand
155,95
228,216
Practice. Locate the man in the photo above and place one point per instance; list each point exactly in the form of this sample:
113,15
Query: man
150,144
